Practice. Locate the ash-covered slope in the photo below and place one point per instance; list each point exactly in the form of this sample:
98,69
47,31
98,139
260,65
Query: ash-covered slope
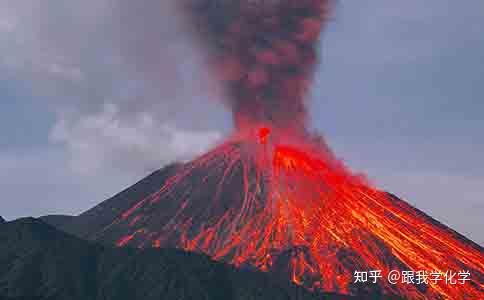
94,220
39,262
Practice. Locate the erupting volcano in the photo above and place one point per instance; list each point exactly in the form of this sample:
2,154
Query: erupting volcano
272,196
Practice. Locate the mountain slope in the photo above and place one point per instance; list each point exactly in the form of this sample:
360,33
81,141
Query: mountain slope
93,220
57,220
39,262
290,213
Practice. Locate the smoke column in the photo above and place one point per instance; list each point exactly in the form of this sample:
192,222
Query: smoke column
264,52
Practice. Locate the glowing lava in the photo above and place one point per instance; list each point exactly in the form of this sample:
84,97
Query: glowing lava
264,134
282,209
273,198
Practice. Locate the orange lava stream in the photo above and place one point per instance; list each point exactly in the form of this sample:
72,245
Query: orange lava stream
297,198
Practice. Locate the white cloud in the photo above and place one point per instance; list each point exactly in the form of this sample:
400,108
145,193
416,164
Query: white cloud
106,141
127,84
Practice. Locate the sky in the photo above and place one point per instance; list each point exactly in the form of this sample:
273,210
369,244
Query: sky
95,95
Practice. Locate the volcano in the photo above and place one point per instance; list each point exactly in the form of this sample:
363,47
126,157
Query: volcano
272,197
290,210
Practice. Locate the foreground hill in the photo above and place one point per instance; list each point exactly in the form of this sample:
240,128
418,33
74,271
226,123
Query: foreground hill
39,262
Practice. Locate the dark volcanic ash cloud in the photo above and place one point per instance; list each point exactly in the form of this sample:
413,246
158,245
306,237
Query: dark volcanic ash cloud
263,51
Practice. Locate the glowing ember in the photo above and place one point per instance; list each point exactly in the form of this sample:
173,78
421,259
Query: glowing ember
264,134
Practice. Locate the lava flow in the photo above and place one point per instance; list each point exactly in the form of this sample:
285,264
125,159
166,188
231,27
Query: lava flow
273,197
261,201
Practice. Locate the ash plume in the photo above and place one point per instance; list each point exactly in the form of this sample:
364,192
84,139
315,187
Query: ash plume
264,52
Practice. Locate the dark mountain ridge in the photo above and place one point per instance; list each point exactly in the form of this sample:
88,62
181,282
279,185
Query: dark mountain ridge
37,261
57,220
